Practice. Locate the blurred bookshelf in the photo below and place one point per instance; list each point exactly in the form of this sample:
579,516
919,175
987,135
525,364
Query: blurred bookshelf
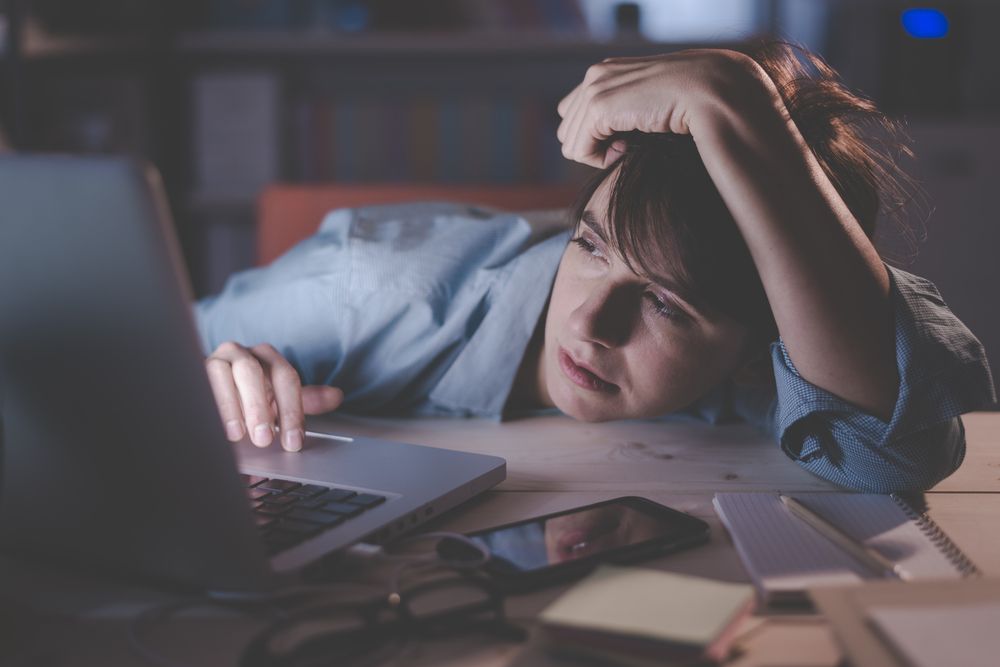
226,96
238,94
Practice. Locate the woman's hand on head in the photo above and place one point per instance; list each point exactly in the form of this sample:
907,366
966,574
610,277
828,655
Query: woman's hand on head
256,388
654,94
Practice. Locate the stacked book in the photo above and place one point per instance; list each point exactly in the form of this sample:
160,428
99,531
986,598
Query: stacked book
645,617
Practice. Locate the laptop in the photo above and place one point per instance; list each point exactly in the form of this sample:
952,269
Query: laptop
113,449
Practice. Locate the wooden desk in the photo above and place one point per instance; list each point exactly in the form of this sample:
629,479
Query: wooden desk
554,463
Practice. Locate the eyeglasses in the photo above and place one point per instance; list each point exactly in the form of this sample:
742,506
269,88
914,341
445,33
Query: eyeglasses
356,623
365,631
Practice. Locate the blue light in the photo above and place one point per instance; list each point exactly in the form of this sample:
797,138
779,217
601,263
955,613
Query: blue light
925,23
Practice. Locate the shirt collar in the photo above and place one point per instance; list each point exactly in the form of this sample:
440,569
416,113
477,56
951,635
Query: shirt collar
482,375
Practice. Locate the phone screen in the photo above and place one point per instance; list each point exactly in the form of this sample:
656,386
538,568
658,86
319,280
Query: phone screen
587,532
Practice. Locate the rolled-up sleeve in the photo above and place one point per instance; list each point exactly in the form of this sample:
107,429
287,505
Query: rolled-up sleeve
943,372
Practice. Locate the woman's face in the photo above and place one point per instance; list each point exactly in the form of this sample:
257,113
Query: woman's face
649,351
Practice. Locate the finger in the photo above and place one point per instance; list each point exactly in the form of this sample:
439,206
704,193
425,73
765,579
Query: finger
615,151
571,121
564,104
287,396
220,377
585,148
582,143
572,104
602,121
578,144
317,399
253,389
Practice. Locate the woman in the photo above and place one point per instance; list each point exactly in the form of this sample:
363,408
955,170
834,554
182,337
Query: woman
731,216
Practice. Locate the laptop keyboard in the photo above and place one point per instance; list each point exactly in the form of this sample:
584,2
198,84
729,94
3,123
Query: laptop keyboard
287,513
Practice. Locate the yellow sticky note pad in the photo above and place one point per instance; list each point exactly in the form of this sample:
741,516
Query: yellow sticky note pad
651,604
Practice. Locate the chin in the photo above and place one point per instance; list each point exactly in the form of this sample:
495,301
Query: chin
579,408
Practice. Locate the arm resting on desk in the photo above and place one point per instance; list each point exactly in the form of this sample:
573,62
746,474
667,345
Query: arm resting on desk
943,373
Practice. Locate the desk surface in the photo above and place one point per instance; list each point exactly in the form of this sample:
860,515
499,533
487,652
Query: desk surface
554,463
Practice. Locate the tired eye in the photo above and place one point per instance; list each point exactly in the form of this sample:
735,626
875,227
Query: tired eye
586,246
665,308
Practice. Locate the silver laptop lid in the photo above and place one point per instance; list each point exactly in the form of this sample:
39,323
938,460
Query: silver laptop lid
113,450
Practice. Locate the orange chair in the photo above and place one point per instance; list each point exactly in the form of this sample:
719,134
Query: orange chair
286,214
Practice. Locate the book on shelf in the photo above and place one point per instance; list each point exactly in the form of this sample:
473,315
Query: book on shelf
236,120
423,138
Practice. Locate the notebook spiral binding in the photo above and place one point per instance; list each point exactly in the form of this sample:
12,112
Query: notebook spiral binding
940,539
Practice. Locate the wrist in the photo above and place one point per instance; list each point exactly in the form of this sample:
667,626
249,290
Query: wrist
736,88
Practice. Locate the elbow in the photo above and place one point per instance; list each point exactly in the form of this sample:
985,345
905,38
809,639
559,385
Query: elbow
911,464
935,453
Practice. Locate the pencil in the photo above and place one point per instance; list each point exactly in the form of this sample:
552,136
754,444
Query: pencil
871,558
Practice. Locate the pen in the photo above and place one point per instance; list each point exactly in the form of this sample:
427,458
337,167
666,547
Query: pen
870,557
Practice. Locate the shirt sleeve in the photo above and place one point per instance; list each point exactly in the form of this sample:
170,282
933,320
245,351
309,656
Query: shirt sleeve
943,372
380,301
298,304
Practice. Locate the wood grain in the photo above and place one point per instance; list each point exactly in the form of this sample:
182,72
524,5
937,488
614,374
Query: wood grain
554,463
556,453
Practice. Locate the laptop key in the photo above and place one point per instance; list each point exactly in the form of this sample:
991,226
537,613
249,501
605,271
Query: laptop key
308,490
366,500
312,516
296,527
252,480
279,485
345,509
279,499
335,496
257,494
272,510
318,501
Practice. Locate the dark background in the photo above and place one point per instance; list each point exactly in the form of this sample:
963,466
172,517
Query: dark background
225,96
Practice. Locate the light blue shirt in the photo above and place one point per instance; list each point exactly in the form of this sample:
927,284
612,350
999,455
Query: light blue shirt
411,309
428,309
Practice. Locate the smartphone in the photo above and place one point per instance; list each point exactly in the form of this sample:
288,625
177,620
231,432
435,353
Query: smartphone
563,545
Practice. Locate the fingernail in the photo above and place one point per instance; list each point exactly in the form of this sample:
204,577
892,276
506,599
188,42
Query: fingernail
293,440
262,435
234,429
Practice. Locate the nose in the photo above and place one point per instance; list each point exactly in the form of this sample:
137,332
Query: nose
602,317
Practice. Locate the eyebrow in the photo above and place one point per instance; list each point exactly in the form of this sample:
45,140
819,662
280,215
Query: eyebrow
588,218
591,221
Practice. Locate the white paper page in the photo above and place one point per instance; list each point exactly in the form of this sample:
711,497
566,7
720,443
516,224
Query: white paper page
957,635
783,553
883,525
780,552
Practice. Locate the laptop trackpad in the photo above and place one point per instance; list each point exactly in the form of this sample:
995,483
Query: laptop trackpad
322,459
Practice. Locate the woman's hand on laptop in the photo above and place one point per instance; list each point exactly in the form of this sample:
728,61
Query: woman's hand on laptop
256,387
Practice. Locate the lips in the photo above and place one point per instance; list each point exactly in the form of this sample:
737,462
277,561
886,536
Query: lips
582,376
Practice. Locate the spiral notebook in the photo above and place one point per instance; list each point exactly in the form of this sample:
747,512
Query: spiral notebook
784,556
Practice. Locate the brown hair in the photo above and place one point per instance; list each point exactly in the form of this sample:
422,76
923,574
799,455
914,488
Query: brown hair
665,214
